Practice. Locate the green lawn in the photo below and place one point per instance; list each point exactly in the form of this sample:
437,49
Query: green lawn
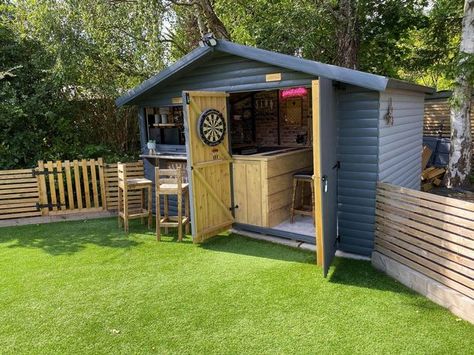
85,287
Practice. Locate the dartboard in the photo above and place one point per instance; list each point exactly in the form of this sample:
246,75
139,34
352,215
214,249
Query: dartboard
211,127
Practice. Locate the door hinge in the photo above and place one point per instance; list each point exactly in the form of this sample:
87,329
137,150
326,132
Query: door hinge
233,208
337,165
40,206
188,100
36,173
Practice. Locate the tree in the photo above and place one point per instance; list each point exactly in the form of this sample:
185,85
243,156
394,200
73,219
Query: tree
459,166
206,17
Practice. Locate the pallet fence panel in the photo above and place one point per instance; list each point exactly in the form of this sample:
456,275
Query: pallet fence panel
431,234
63,187
19,194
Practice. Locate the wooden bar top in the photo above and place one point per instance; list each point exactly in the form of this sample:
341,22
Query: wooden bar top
165,156
272,155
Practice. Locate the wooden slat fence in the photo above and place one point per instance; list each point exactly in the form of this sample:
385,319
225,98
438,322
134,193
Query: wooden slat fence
437,121
431,234
19,194
63,187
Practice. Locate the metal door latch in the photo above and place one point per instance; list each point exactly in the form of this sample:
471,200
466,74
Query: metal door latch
324,179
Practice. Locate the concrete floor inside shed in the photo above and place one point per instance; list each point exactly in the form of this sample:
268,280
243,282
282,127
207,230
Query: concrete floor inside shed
302,225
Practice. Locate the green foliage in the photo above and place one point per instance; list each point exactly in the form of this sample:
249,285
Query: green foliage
63,62
431,51
32,105
62,65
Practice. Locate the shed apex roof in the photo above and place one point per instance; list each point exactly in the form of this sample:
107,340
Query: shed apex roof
333,72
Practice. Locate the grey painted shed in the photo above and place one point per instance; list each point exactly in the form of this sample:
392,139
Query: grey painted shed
351,131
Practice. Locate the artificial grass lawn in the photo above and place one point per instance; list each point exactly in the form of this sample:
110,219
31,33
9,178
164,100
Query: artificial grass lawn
85,287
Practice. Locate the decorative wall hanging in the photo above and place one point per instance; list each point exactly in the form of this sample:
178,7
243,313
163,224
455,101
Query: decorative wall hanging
294,112
211,127
389,114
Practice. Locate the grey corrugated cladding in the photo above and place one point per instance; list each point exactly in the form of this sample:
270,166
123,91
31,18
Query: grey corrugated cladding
313,68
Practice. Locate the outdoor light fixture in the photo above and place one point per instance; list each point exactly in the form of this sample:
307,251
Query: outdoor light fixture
293,92
208,40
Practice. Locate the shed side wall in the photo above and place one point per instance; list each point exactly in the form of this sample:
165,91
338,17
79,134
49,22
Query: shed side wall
357,151
400,144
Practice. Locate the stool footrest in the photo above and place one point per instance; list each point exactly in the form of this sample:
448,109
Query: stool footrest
172,221
304,212
135,214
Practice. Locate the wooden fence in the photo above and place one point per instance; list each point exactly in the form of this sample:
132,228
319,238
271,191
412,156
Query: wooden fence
436,122
431,234
19,194
62,187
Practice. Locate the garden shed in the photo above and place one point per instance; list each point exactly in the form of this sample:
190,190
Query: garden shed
244,121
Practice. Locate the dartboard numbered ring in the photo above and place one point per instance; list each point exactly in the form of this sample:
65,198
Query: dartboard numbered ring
211,127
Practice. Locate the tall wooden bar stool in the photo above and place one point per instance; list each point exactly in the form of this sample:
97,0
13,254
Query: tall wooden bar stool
170,182
300,180
126,186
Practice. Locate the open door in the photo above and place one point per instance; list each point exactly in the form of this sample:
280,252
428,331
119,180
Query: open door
207,145
325,171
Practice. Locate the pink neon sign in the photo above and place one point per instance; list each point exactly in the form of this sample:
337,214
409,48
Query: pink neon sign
293,92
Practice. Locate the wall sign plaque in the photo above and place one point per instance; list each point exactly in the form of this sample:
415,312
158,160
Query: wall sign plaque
211,127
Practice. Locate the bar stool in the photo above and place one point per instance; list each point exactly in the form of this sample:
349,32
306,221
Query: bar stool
127,185
170,182
300,179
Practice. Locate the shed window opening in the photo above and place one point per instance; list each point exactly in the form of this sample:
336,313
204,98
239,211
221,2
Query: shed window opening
270,119
165,125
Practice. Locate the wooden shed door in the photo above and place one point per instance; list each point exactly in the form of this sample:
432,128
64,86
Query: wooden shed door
207,144
325,171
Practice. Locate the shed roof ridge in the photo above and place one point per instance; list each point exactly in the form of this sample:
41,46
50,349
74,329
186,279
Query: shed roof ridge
345,75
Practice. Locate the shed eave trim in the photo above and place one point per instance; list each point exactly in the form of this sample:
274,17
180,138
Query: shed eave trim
345,75
404,85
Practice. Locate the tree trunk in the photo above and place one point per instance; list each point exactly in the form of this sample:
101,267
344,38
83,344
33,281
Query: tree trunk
214,23
347,34
459,167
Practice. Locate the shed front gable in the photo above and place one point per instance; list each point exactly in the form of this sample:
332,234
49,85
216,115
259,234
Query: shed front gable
220,71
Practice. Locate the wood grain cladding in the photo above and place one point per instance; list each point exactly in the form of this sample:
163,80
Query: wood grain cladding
61,188
431,234
263,187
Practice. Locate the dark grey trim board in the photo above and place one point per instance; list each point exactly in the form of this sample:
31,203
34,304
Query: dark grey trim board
275,233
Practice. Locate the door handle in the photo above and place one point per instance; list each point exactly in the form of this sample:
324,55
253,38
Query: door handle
324,179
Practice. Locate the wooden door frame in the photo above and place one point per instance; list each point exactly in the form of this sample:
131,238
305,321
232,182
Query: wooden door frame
317,176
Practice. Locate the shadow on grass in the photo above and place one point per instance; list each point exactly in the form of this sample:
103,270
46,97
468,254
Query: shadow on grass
360,273
237,244
62,238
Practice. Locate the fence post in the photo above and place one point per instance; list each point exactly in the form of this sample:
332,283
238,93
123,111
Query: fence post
43,195
103,193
